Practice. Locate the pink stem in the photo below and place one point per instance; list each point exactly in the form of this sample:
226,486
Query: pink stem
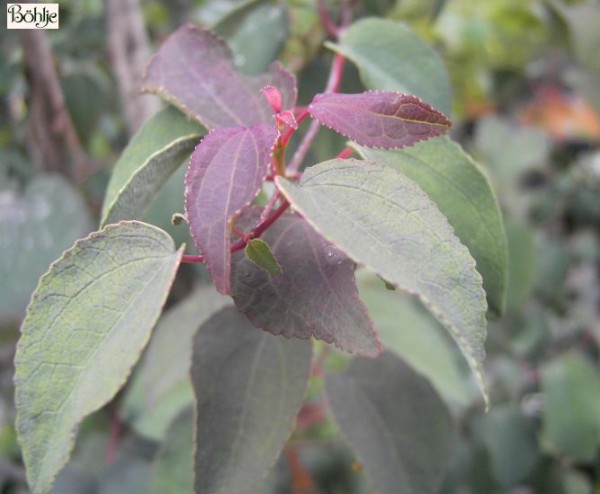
255,233
335,75
328,24
333,84
262,227
114,437
345,153
285,138
269,207
192,259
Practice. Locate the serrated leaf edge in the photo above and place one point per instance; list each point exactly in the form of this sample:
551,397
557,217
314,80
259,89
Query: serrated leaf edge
66,255
476,365
418,139
180,141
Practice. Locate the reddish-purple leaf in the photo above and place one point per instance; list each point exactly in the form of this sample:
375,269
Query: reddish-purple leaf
381,119
225,173
194,70
315,294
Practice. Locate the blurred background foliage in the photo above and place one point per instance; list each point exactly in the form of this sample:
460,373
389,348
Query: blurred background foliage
526,77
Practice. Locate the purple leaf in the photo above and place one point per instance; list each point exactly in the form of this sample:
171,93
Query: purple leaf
194,70
315,294
225,173
382,119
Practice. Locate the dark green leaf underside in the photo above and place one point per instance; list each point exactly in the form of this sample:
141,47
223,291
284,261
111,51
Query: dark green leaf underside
151,157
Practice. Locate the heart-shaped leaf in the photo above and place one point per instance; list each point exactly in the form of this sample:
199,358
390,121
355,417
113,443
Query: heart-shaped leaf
382,219
225,174
382,119
194,70
315,295
86,325
249,387
148,161
398,425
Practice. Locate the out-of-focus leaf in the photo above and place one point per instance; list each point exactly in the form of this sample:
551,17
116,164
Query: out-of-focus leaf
86,325
563,480
522,258
127,474
407,329
396,423
174,466
249,386
72,479
259,253
464,195
529,147
390,56
315,295
35,228
511,442
571,415
194,70
151,157
256,33
86,97
168,201
383,220
382,119
582,20
552,264
225,174
160,387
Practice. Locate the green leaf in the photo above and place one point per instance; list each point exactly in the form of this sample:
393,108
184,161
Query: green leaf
35,229
86,325
582,20
174,465
571,417
259,253
249,385
160,387
153,154
256,32
529,146
522,264
129,473
464,195
408,330
396,423
383,220
511,441
390,56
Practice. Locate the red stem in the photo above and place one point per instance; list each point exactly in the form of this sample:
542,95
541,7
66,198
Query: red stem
328,24
262,227
285,138
192,259
114,438
335,75
333,84
345,153
255,233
